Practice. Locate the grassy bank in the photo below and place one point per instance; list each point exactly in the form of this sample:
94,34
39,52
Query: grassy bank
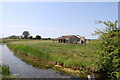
74,56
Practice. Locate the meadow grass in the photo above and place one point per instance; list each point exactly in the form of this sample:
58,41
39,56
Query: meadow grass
78,56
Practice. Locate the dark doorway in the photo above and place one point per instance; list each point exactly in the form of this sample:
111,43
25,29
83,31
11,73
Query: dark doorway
59,40
82,41
63,40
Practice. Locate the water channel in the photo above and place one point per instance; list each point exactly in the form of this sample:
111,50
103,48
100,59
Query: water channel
21,69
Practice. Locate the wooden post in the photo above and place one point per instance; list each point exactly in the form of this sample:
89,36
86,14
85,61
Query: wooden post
91,77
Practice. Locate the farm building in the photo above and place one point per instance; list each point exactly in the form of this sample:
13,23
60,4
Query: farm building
73,39
82,40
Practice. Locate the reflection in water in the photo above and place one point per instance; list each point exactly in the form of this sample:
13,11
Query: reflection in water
23,70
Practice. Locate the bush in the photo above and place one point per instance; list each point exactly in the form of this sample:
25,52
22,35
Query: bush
109,56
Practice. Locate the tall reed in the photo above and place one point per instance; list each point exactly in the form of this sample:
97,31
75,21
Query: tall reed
5,69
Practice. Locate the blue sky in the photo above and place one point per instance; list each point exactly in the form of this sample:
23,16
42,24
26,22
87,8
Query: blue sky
53,19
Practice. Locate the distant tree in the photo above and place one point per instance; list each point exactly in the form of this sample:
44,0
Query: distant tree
13,37
21,37
109,61
46,38
25,34
49,38
38,37
30,37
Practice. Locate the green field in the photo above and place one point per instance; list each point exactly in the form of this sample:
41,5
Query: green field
76,56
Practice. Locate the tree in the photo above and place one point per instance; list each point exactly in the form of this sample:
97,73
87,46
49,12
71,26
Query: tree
38,37
13,37
109,56
49,38
25,34
30,37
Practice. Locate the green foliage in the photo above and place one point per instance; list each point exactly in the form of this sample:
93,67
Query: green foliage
38,37
13,37
5,70
30,37
109,59
25,34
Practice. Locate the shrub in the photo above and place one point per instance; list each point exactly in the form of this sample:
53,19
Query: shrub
109,59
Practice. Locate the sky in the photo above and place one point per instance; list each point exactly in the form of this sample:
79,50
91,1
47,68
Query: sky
54,19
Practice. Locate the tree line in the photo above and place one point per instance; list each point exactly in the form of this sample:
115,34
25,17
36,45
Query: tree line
26,35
